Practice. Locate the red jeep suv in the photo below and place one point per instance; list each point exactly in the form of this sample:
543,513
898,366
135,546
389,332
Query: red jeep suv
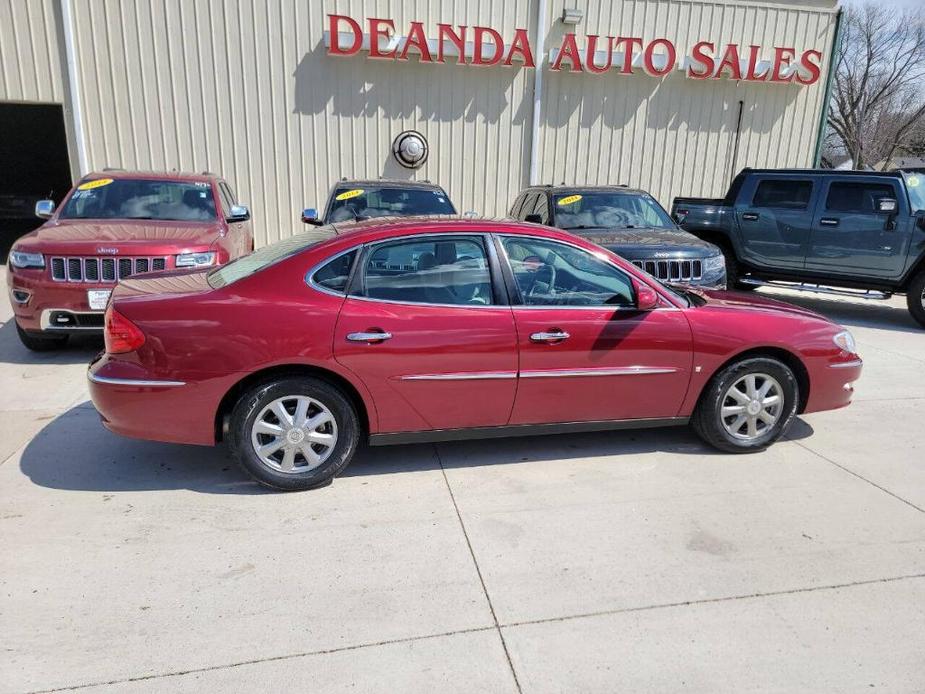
112,225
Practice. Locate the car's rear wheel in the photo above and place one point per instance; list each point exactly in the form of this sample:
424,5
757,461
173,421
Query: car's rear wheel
40,343
747,406
733,272
915,297
294,433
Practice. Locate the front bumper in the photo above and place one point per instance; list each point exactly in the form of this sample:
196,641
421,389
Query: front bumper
832,386
41,304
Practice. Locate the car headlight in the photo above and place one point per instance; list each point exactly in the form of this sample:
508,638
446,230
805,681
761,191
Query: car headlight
22,260
195,259
845,340
715,263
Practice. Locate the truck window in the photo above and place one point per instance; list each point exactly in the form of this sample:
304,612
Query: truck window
858,197
787,194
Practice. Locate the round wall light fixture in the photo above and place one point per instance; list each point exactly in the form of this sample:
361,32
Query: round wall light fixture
410,149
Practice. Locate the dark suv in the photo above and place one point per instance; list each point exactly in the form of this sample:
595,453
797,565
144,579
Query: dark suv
357,200
630,223
860,233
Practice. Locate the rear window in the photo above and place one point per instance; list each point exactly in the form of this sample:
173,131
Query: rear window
358,203
790,195
266,256
129,198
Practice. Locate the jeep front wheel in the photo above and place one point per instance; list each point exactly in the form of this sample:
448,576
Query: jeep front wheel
915,297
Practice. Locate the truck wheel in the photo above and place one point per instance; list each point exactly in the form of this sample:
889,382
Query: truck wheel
294,433
747,406
915,297
40,343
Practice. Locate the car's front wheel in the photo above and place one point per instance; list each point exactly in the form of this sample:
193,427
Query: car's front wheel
294,433
747,406
915,297
40,343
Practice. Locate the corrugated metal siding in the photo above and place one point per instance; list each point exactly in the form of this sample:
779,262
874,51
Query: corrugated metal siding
245,88
676,136
30,52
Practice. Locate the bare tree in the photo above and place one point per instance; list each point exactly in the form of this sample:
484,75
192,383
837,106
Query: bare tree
878,92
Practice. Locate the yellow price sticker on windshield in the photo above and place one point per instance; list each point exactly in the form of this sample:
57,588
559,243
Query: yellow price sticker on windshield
912,181
346,195
98,183
569,200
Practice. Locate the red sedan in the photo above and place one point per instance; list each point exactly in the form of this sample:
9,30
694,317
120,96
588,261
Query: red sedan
422,330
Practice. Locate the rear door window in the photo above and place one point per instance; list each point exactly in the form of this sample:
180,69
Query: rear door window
785,194
858,197
448,270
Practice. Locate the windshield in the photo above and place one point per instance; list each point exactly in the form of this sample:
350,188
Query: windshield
268,255
609,210
107,198
386,201
915,184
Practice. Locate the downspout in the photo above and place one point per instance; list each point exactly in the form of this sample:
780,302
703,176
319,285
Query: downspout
738,140
823,119
538,92
67,17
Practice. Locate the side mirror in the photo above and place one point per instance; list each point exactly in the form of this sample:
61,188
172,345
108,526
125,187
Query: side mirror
239,213
44,209
533,219
887,205
310,216
646,297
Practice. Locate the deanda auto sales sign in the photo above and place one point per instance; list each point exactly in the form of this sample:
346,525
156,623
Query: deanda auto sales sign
480,46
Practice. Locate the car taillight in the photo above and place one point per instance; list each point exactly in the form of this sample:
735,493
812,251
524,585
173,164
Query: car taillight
121,335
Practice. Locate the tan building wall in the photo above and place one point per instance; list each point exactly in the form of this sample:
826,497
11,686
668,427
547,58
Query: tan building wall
246,88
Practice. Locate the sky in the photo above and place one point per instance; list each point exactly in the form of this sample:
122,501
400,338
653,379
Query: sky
901,4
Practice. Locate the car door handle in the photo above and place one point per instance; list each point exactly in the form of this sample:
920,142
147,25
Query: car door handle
750,216
369,337
828,222
553,335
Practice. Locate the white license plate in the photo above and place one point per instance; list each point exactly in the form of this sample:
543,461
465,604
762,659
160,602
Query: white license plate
98,298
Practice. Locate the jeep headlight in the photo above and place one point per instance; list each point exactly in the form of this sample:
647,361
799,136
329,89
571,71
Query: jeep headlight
195,259
23,260
715,263
845,341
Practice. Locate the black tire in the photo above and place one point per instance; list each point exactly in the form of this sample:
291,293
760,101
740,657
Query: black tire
40,343
253,402
915,297
708,422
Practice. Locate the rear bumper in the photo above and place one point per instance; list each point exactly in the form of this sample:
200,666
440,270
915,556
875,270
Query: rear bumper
832,385
140,405
43,305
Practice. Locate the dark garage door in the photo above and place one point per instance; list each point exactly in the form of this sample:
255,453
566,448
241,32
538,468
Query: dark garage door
33,165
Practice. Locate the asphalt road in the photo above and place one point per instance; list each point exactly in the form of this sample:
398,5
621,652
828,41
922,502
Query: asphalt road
631,561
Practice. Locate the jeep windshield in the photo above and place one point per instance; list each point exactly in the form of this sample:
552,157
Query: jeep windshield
125,198
364,202
606,210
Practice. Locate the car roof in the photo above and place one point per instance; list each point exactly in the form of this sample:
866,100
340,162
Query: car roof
822,172
562,188
385,227
429,185
151,175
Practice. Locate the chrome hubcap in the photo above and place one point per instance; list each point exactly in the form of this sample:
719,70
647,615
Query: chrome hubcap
294,434
752,406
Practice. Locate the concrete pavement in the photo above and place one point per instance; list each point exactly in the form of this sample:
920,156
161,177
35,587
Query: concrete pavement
631,561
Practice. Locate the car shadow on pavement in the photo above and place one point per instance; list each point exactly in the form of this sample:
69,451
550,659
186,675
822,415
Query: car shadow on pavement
864,313
79,349
74,452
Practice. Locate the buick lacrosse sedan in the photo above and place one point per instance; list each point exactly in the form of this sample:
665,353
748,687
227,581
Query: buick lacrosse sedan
410,330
